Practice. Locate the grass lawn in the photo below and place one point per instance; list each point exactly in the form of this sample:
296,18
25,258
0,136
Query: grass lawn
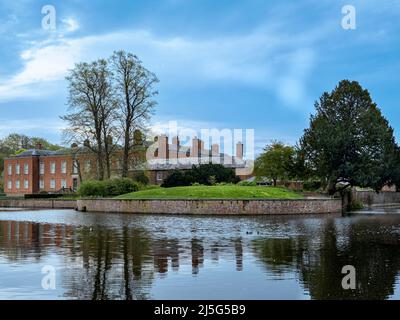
213,192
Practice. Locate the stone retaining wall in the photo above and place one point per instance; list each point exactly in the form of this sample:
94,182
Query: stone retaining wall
373,198
213,207
38,203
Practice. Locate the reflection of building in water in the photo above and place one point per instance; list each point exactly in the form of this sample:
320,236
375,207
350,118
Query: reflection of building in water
21,238
197,255
239,254
165,250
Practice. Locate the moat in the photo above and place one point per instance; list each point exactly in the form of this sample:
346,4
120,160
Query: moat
124,256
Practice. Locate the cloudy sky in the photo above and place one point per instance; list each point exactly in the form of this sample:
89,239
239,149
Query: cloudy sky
257,64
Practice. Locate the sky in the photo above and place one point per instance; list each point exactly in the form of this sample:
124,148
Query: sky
254,64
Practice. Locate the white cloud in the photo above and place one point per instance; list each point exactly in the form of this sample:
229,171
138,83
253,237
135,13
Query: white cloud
264,58
70,24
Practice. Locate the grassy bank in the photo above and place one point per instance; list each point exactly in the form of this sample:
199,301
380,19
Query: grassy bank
213,192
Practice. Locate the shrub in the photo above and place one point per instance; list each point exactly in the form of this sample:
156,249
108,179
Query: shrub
204,174
116,187
107,188
92,188
142,178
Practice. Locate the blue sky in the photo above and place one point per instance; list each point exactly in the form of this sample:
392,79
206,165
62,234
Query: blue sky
222,64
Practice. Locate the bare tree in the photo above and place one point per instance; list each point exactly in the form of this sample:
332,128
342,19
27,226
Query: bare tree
91,105
135,91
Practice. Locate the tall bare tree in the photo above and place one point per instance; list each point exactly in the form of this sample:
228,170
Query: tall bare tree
135,92
90,106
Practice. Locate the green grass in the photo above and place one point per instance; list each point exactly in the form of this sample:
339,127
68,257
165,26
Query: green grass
213,192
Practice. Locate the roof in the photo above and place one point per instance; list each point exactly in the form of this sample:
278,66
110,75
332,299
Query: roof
40,152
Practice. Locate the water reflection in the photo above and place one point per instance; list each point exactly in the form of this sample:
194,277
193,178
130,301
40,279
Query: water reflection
146,257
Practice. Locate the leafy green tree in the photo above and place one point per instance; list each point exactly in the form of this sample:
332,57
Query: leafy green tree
349,142
275,162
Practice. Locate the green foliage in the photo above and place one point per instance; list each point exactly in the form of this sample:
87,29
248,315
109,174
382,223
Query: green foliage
92,188
142,178
15,142
247,183
349,140
107,188
115,187
312,185
355,205
274,162
204,174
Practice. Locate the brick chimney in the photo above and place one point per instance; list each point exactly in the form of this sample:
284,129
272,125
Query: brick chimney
163,148
239,150
195,152
174,154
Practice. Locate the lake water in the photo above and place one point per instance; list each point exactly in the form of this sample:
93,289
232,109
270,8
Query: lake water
116,256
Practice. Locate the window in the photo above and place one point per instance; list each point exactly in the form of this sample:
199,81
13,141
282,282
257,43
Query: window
75,170
63,166
41,184
63,183
17,168
88,165
26,184
26,168
17,186
41,168
52,184
9,184
9,169
52,167
159,176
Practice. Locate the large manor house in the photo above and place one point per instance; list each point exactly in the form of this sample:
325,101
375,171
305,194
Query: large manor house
38,171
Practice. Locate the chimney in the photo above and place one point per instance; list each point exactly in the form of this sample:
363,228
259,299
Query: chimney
196,148
215,150
215,158
176,144
239,150
163,149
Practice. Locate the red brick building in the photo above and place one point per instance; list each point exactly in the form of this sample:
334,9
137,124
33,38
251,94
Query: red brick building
36,170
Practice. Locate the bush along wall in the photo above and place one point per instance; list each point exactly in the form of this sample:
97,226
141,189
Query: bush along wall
204,174
107,188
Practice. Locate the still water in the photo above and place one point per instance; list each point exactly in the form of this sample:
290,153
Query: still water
114,256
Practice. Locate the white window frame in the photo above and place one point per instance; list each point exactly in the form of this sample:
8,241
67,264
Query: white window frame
52,183
53,167
9,184
17,184
9,169
41,168
26,184
63,183
17,168
63,166
41,184
26,168
159,176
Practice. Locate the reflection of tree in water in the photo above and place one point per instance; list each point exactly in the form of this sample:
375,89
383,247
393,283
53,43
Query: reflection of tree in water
115,265
369,248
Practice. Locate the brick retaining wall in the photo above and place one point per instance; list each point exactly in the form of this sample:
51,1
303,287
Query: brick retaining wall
213,207
38,203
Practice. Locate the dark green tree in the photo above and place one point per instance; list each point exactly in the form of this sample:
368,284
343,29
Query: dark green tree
349,142
275,162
